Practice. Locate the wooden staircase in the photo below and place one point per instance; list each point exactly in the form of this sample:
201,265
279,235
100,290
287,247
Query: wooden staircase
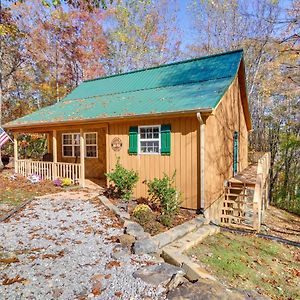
246,196
237,210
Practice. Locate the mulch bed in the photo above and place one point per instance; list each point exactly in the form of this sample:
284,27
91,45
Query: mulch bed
154,227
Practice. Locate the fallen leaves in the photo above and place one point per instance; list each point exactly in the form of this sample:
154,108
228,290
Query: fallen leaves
53,256
112,264
118,294
142,262
9,281
9,260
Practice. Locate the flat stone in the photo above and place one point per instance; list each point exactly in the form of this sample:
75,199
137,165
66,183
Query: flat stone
205,289
145,246
123,215
160,274
175,281
143,236
119,254
164,238
134,229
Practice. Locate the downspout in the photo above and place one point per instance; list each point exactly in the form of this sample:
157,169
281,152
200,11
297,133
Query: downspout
201,155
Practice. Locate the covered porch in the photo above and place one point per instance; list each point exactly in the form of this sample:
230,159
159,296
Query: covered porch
74,152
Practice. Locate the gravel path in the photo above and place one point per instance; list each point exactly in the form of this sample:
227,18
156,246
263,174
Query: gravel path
65,249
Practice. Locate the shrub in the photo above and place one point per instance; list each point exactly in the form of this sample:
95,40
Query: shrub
162,191
140,210
146,218
123,180
166,219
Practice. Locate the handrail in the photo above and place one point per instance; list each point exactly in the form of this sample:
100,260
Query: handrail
244,205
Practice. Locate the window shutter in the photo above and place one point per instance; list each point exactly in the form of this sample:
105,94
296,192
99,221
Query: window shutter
165,139
133,139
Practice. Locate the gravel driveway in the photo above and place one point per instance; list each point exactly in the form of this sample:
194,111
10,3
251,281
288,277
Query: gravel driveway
64,247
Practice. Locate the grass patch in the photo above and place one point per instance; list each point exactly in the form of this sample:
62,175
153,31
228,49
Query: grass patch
251,263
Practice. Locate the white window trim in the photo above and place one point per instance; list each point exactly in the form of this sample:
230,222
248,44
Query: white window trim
85,133
72,145
139,140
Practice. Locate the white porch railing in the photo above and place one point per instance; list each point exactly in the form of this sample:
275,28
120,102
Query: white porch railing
49,170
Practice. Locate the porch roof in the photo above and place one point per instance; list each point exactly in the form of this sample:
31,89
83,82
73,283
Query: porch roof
186,86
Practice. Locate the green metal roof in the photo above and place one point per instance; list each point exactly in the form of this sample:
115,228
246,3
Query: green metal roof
183,86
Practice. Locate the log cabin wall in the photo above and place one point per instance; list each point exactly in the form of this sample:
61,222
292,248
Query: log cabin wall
183,156
220,126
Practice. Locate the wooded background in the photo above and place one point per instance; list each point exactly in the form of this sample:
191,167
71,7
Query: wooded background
48,47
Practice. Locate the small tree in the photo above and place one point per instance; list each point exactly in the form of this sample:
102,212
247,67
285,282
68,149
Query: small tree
123,180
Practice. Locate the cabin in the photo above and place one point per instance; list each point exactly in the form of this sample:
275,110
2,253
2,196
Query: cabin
191,117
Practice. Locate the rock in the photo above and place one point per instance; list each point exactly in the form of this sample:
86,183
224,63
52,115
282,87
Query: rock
143,236
126,240
176,280
145,246
156,258
205,289
160,274
119,254
135,230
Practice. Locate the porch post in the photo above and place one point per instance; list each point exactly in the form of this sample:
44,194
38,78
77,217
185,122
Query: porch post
54,152
82,170
15,152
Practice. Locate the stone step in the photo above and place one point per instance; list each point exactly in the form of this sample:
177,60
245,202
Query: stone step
174,253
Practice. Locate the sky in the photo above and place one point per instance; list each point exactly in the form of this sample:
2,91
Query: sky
186,26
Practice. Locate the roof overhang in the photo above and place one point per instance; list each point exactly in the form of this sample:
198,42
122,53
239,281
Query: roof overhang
244,94
49,126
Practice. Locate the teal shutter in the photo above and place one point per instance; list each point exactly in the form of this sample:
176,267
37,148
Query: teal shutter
133,140
235,152
165,139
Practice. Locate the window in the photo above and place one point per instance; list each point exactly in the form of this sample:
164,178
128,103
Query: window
71,144
149,139
91,148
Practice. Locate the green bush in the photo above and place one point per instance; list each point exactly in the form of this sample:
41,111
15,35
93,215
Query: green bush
162,191
123,180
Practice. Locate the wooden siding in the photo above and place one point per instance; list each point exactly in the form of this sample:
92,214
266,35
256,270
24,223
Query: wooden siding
220,127
183,156
94,167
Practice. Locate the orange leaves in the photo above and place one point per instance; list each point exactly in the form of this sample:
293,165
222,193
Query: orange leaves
112,264
53,256
9,260
9,281
118,294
